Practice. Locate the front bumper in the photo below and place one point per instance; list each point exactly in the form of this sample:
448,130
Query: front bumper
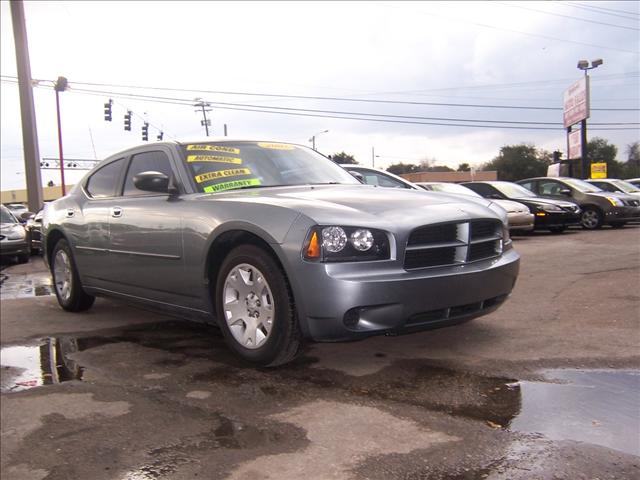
622,214
556,219
339,304
520,221
13,247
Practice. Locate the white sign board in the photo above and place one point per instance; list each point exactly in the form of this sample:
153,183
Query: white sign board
553,170
575,144
576,102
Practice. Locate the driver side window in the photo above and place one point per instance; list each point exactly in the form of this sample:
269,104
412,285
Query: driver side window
143,162
550,188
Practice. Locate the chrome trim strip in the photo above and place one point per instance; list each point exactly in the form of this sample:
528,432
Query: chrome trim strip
126,252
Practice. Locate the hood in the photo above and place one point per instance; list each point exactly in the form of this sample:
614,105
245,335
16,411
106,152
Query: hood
363,205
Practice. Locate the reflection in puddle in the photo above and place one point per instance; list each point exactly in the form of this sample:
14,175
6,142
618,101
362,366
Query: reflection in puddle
25,285
25,367
601,407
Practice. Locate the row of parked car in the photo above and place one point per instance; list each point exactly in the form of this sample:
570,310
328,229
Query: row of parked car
543,203
20,232
279,246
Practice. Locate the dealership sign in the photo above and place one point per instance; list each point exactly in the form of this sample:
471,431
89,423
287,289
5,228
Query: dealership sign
576,102
599,170
575,144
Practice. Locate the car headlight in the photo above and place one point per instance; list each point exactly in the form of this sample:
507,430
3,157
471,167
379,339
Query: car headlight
334,243
616,202
16,233
551,208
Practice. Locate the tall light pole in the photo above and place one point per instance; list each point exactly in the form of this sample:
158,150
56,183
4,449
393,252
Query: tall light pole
584,66
205,122
60,86
313,138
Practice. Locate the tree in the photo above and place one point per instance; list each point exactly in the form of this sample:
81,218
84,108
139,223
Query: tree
343,157
464,167
516,162
633,153
400,168
600,150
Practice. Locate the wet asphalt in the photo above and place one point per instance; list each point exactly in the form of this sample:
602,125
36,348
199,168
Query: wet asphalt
546,387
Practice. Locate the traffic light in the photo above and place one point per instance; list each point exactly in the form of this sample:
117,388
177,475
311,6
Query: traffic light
127,121
107,111
145,132
160,135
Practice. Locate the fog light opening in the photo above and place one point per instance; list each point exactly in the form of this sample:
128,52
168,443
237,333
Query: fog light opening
352,318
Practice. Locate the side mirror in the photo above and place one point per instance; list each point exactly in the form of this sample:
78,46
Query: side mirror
566,192
152,181
357,175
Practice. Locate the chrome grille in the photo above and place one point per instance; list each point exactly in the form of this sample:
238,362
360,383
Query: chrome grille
453,243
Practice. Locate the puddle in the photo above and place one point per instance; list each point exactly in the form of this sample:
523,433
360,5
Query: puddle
45,363
601,407
25,285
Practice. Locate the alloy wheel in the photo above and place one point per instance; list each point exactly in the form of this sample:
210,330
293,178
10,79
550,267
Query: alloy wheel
63,275
248,305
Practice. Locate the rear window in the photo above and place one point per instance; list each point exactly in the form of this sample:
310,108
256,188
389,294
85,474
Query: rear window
217,167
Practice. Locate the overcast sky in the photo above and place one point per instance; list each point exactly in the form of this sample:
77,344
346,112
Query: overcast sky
478,53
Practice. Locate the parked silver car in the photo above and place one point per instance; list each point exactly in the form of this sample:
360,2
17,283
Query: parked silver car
275,244
13,239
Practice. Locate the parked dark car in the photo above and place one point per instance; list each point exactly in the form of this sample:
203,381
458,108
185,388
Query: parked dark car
552,215
275,244
598,207
34,233
616,186
13,238
519,216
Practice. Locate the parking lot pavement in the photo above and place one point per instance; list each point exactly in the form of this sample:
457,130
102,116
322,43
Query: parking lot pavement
546,387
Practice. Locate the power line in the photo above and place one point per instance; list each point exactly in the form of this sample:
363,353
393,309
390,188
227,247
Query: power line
600,10
568,16
340,99
345,116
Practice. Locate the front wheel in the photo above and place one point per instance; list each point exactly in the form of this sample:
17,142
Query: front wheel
66,280
591,219
255,309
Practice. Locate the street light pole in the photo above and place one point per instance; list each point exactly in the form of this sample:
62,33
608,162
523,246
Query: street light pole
60,86
313,139
584,65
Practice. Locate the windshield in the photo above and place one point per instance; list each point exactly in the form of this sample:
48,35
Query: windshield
6,216
581,185
626,186
221,166
513,190
452,188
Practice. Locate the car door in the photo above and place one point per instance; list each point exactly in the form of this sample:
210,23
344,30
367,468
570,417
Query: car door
88,224
146,234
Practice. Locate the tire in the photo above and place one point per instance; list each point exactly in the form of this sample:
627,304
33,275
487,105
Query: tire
23,258
66,281
557,229
259,322
591,219
618,224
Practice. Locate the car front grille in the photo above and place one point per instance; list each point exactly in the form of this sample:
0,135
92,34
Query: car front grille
453,243
632,203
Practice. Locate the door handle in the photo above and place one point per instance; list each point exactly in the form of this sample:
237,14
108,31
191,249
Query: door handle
116,212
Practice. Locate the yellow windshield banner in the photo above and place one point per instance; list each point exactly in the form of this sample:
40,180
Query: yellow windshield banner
277,146
205,177
214,148
213,158
232,185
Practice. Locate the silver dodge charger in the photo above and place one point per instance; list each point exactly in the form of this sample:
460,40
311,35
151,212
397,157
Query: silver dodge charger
275,244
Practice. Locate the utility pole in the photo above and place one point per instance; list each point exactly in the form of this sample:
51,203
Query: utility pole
60,86
27,110
373,157
202,105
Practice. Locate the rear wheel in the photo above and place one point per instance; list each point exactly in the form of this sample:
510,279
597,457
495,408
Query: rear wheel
66,280
255,308
591,218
